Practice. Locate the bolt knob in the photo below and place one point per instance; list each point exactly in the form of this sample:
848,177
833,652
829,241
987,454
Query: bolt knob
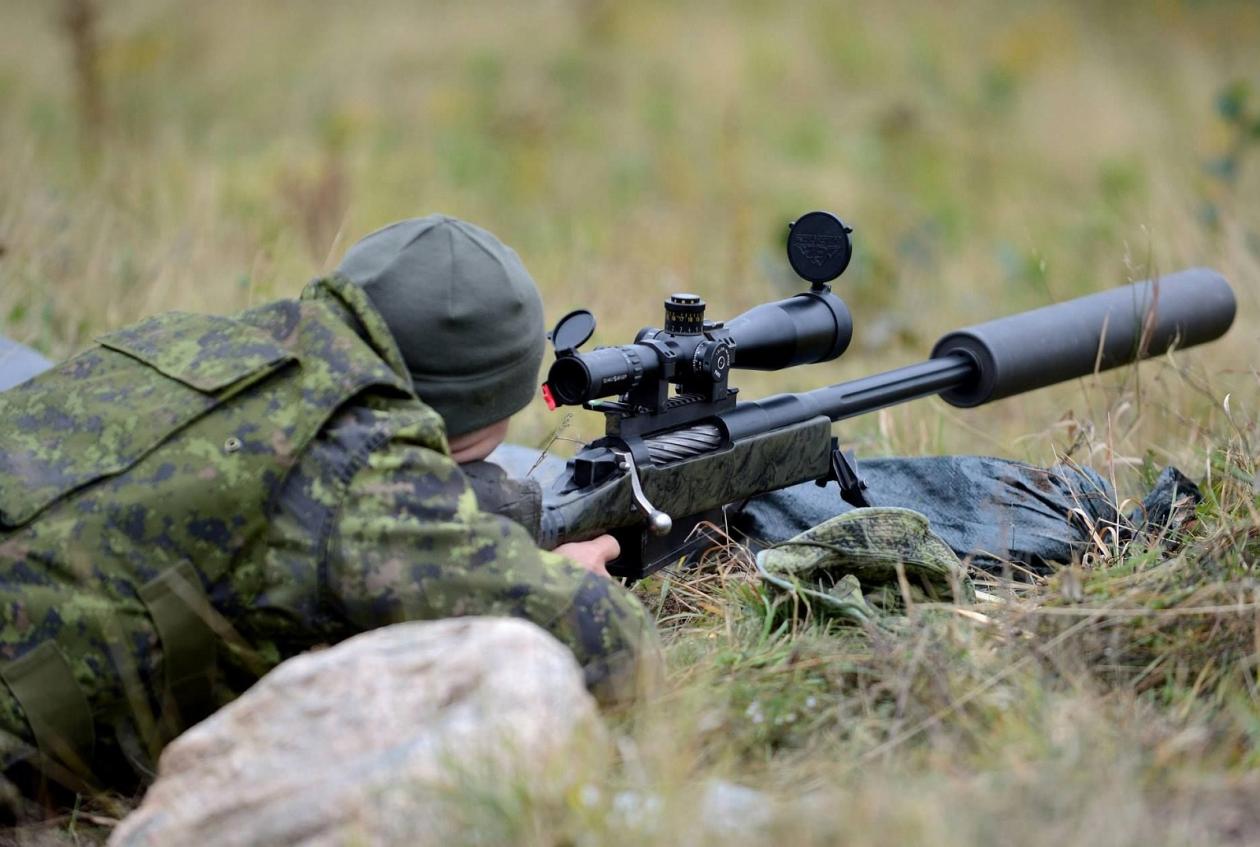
660,523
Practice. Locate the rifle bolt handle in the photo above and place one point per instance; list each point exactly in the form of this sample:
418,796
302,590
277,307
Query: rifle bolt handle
660,523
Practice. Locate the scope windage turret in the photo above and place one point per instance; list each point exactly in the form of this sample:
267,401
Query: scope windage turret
814,326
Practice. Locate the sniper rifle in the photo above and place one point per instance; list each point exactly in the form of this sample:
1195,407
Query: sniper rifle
671,460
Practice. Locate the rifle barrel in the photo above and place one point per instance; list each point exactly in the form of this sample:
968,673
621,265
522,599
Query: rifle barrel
850,399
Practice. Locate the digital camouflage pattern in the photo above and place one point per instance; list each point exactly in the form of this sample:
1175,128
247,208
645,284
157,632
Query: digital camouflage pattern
861,564
518,499
260,484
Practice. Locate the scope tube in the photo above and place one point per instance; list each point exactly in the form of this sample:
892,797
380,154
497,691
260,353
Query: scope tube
1094,333
810,327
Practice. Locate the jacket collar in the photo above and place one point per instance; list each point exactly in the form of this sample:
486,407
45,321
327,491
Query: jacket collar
357,310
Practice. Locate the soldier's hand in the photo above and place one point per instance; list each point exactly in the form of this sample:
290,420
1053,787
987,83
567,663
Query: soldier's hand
594,555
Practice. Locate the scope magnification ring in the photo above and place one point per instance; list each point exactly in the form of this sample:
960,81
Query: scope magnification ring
633,372
636,366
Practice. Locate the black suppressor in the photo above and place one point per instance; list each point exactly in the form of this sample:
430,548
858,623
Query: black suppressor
1094,333
814,326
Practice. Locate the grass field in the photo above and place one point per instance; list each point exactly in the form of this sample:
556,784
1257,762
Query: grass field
992,157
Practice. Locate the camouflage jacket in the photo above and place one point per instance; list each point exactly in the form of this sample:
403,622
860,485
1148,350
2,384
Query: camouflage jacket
197,498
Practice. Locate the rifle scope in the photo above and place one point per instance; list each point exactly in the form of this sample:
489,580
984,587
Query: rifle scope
696,354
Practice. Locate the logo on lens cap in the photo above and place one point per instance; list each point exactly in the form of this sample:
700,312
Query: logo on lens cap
820,249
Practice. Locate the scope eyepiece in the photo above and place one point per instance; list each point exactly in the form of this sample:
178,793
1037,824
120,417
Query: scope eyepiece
603,372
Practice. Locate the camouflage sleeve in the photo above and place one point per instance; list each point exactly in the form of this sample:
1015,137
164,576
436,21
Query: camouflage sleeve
519,500
410,543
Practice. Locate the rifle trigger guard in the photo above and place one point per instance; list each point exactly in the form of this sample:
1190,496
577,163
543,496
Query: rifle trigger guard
658,522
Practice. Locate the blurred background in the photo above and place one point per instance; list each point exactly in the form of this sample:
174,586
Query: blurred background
992,156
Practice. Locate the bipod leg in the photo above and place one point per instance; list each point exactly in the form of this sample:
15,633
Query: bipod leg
845,474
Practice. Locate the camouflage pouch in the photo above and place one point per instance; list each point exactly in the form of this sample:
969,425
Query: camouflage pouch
100,413
861,564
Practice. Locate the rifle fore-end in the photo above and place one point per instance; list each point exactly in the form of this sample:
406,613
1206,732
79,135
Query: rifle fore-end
694,486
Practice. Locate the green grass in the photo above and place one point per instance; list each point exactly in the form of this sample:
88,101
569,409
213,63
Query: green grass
992,156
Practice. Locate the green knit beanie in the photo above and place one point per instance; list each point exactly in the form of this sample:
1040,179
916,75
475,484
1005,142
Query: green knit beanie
465,313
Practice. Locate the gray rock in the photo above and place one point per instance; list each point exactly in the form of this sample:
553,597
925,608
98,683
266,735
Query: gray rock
410,734
721,810
731,809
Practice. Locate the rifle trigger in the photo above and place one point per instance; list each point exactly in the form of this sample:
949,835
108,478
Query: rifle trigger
658,522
